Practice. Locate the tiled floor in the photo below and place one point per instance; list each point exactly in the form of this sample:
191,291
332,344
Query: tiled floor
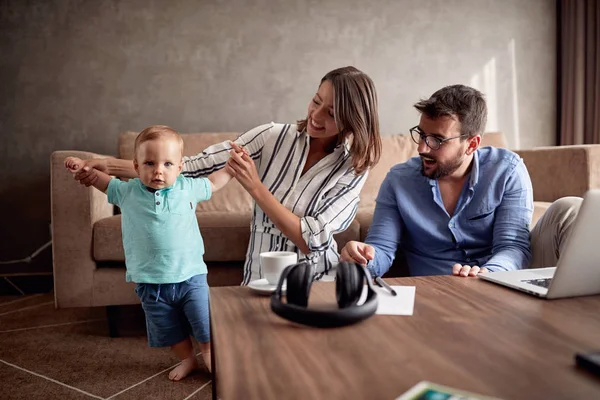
67,354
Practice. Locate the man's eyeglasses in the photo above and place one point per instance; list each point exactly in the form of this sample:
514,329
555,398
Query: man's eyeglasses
433,142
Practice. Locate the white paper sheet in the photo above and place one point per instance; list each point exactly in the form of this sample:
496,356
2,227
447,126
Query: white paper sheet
387,304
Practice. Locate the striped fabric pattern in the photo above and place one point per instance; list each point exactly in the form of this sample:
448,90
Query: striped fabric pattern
325,197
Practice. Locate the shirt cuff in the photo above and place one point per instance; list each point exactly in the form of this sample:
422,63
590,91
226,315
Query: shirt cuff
371,269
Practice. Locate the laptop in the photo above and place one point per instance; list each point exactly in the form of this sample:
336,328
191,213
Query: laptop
578,270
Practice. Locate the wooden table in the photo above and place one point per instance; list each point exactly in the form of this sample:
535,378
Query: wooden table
465,333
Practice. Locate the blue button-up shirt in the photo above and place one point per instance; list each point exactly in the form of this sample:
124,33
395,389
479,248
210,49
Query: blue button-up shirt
489,228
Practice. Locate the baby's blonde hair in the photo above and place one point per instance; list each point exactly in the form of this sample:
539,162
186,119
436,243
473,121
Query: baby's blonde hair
154,132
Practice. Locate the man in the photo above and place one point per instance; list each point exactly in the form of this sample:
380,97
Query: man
458,208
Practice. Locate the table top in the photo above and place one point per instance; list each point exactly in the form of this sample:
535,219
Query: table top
465,333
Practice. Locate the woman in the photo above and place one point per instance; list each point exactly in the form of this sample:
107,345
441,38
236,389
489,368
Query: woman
305,178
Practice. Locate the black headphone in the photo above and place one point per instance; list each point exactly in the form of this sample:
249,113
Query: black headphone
349,282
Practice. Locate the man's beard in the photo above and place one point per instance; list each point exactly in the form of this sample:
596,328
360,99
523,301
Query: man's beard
443,169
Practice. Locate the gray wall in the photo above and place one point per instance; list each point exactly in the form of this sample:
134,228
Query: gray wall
76,73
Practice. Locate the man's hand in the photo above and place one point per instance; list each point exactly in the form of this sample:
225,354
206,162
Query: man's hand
357,252
467,270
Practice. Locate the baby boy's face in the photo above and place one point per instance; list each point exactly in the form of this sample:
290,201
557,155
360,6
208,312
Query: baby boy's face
159,162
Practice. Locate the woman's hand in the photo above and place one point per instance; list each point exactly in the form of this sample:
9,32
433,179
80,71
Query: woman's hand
241,166
86,175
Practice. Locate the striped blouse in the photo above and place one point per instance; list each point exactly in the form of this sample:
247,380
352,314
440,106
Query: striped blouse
325,197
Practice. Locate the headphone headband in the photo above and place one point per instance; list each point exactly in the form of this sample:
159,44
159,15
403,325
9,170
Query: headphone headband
325,318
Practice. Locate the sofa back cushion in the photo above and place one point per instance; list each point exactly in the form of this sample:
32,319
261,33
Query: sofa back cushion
232,197
397,148
495,139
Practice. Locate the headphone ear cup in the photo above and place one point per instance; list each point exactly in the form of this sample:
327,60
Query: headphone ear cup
299,281
349,284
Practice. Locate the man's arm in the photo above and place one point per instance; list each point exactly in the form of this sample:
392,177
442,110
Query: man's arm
511,245
385,232
383,237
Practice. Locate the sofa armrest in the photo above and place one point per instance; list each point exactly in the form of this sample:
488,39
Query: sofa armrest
74,210
560,171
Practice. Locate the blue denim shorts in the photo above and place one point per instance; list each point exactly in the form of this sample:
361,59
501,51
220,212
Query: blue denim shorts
176,310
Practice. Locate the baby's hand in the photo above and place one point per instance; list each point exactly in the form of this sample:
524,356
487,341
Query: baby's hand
73,164
238,148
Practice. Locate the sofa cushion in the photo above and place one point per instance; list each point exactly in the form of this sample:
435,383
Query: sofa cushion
495,139
352,233
225,234
560,171
539,208
107,240
396,149
364,217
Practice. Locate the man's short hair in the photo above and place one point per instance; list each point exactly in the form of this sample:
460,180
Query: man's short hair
457,101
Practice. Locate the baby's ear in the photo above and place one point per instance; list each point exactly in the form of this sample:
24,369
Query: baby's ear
136,166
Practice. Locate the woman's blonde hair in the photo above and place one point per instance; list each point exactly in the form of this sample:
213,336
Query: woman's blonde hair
154,132
355,113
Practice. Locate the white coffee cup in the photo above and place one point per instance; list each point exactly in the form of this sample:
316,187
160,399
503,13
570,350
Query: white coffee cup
273,263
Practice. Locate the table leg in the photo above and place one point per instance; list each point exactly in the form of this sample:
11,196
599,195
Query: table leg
212,363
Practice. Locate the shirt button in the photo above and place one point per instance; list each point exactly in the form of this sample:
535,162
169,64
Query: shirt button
158,203
468,259
158,194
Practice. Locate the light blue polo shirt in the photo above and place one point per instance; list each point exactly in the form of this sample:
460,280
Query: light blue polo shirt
161,236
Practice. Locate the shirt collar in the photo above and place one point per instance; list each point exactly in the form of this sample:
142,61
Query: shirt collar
345,146
474,170
150,190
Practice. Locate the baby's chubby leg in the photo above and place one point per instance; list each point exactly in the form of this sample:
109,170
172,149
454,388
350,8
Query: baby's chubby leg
205,348
166,326
185,351
196,309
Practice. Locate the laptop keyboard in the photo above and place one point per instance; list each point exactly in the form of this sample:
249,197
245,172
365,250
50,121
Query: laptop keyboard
543,282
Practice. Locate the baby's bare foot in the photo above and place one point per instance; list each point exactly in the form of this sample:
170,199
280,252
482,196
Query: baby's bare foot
184,369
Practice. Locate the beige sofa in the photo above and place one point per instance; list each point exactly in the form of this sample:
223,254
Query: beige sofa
89,267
